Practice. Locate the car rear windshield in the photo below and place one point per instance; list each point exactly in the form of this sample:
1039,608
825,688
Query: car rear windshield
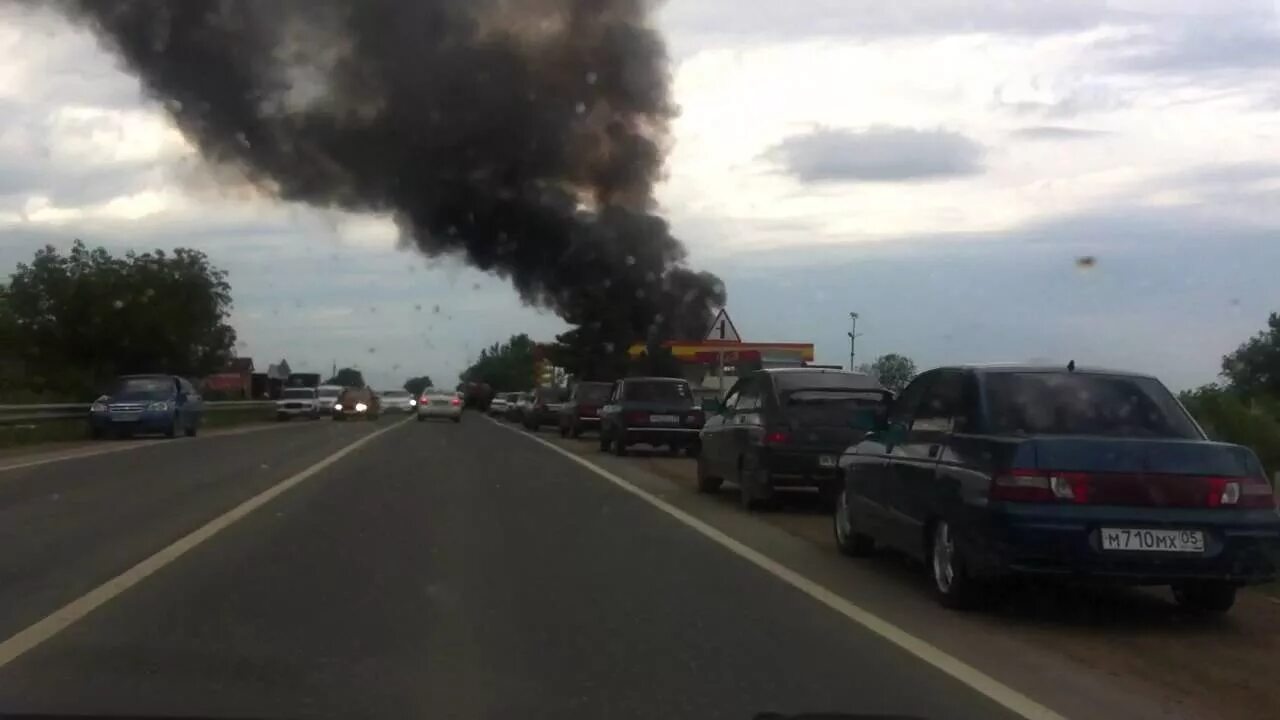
658,391
298,393
594,392
142,389
329,392
835,407
813,379
1084,404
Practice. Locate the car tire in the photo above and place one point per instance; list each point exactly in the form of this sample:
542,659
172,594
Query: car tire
693,449
97,433
1205,597
192,429
457,419
172,430
753,494
564,430
604,441
848,539
706,483
673,450
620,445
952,585
575,432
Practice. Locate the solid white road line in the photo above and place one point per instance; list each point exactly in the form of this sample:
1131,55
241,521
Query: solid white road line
999,692
16,646
109,449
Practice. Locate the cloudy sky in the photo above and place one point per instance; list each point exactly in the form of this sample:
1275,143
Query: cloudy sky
937,167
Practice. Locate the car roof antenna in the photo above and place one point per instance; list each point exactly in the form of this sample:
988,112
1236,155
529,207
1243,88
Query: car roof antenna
1071,366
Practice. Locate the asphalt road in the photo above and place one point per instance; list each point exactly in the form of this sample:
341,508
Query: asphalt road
439,570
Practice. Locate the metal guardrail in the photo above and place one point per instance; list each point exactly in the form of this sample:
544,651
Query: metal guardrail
15,414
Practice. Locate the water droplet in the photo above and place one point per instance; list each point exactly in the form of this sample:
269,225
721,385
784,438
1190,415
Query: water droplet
592,77
417,306
580,108
117,304
629,260
373,351
1086,262
435,309
475,286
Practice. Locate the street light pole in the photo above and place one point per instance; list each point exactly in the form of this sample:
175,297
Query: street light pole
853,335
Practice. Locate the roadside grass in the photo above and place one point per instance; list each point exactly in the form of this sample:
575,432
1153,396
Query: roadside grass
71,429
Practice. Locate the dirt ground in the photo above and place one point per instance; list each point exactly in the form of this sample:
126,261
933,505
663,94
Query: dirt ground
1222,668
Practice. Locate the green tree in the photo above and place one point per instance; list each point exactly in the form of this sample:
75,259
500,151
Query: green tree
1229,416
1254,368
416,385
504,367
891,370
347,377
76,319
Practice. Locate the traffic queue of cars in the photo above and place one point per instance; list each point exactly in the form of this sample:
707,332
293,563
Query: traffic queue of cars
346,403
985,474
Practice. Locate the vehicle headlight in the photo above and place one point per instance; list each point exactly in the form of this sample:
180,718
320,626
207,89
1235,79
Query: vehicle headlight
98,407
412,403
361,407
337,406
161,406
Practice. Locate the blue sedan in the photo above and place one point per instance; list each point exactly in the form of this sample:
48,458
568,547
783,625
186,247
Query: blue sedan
159,404
985,473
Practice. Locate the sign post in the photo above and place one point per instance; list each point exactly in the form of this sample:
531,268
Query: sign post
723,330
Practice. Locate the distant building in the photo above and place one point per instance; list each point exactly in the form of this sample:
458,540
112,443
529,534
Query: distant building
235,381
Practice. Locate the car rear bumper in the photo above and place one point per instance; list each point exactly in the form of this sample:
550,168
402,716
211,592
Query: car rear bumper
1239,546
296,411
802,468
661,436
440,410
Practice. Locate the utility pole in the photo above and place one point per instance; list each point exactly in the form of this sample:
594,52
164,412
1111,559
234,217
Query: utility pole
853,335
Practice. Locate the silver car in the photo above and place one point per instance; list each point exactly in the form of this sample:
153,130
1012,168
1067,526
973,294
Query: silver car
297,402
398,401
498,405
326,396
440,404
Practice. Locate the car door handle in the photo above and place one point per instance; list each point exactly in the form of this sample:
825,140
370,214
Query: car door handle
934,450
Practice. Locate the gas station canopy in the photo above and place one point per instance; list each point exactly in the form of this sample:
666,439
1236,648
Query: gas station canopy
712,351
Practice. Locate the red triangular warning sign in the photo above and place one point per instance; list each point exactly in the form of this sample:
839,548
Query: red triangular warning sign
722,329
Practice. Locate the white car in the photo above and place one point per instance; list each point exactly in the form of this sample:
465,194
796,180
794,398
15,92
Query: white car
297,402
326,396
440,404
499,405
394,401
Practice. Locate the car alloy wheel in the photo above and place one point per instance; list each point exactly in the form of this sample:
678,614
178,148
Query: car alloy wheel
848,539
944,558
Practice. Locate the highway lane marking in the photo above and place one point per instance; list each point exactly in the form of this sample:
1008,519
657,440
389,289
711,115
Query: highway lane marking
997,691
92,451
62,618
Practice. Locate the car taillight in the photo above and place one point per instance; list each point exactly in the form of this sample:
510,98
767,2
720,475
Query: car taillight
1245,492
588,410
776,437
455,401
423,400
636,418
1033,486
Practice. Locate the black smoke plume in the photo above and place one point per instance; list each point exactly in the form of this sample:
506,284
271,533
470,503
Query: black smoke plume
524,135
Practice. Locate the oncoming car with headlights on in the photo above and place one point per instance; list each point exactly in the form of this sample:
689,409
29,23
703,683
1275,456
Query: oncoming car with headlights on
357,403
440,404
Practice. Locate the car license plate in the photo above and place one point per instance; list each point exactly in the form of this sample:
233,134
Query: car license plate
664,418
827,461
1146,540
